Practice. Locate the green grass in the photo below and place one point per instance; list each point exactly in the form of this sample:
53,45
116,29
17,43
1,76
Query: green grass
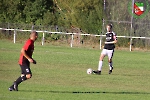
60,74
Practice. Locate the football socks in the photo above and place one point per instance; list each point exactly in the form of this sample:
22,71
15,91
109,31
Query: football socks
100,65
110,65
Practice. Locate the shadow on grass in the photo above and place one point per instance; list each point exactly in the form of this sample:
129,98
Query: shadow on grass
90,92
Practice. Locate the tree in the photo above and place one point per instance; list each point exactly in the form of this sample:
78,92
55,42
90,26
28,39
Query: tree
86,15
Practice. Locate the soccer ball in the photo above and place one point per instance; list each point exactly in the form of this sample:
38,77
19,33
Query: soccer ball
89,71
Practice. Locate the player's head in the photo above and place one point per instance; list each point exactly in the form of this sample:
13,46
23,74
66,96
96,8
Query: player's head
33,35
109,27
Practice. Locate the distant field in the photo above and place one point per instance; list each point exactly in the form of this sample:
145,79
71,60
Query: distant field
60,74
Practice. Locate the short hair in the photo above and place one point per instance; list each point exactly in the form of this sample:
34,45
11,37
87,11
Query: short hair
110,25
34,33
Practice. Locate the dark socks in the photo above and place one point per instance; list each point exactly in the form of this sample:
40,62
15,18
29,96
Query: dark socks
19,80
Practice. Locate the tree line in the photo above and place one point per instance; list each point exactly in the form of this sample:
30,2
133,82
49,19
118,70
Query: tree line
83,14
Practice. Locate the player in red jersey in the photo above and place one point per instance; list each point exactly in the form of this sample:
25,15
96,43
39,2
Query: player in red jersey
25,60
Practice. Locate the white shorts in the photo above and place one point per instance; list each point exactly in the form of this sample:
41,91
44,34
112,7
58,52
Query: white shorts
108,53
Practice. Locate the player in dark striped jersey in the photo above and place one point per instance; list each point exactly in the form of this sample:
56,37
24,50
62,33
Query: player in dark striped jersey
108,50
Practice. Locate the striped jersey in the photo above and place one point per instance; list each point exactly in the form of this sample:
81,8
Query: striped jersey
110,36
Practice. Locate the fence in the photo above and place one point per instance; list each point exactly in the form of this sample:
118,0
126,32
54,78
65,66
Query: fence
72,36
132,32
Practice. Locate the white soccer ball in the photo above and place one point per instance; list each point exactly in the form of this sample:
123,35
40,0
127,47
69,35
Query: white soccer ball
89,71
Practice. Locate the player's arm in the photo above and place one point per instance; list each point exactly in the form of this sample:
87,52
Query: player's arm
25,55
112,42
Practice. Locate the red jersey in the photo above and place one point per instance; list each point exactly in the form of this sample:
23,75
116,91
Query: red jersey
29,48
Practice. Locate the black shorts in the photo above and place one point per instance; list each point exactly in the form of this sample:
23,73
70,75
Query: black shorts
25,69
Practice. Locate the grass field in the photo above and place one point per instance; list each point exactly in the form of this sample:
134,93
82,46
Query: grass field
60,74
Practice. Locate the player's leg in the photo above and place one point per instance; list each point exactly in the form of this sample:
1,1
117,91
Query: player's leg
110,62
100,62
26,74
22,78
13,86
